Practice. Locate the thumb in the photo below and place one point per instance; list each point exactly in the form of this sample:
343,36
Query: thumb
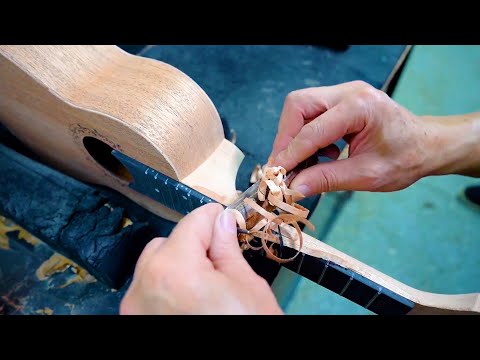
345,174
225,252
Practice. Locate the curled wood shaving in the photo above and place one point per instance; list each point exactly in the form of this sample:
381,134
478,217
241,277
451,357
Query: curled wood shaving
276,214
256,174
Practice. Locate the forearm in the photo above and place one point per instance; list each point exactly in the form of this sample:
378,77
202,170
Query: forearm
454,144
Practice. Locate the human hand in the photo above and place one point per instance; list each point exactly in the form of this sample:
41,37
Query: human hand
389,147
198,269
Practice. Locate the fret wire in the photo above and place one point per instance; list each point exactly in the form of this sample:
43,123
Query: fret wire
346,285
174,190
160,191
189,197
169,191
161,194
300,263
323,272
373,298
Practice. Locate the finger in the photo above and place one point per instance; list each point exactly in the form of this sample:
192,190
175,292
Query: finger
154,245
151,249
347,117
225,251
347,174
302,106
193,234
331,151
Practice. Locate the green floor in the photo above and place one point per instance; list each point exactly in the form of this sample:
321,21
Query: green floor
423,236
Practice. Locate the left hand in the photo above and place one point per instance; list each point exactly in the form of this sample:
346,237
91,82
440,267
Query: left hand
198,269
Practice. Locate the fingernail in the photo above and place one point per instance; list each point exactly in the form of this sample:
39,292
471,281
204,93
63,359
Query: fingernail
227,222
303,189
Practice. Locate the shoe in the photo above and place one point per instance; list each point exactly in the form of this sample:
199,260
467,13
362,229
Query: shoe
471,195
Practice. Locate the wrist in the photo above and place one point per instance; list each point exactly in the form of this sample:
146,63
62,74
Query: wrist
453,144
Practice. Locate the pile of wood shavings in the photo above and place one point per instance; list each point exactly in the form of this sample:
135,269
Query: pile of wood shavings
276,211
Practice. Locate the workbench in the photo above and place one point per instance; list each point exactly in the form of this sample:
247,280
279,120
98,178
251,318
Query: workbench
53,227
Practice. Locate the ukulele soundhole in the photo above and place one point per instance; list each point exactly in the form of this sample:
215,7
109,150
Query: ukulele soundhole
102,153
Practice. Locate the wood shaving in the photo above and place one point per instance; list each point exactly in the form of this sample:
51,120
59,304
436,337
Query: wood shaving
58,263
45,311
276,213
256,174
7,226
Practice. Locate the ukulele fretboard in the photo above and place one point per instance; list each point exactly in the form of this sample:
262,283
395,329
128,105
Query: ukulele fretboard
162,188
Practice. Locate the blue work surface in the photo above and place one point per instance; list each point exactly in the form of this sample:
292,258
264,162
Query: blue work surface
248,85
424,236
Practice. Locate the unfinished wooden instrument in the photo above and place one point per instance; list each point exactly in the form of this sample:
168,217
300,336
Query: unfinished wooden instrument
73,105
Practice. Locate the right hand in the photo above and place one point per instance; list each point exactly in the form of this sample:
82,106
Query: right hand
198,269
390,148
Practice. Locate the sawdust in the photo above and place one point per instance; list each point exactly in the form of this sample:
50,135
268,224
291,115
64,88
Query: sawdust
4,244
126,222
45,311
58,263
8,226
29,238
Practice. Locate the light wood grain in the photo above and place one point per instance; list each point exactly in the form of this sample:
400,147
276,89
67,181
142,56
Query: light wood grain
52,97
